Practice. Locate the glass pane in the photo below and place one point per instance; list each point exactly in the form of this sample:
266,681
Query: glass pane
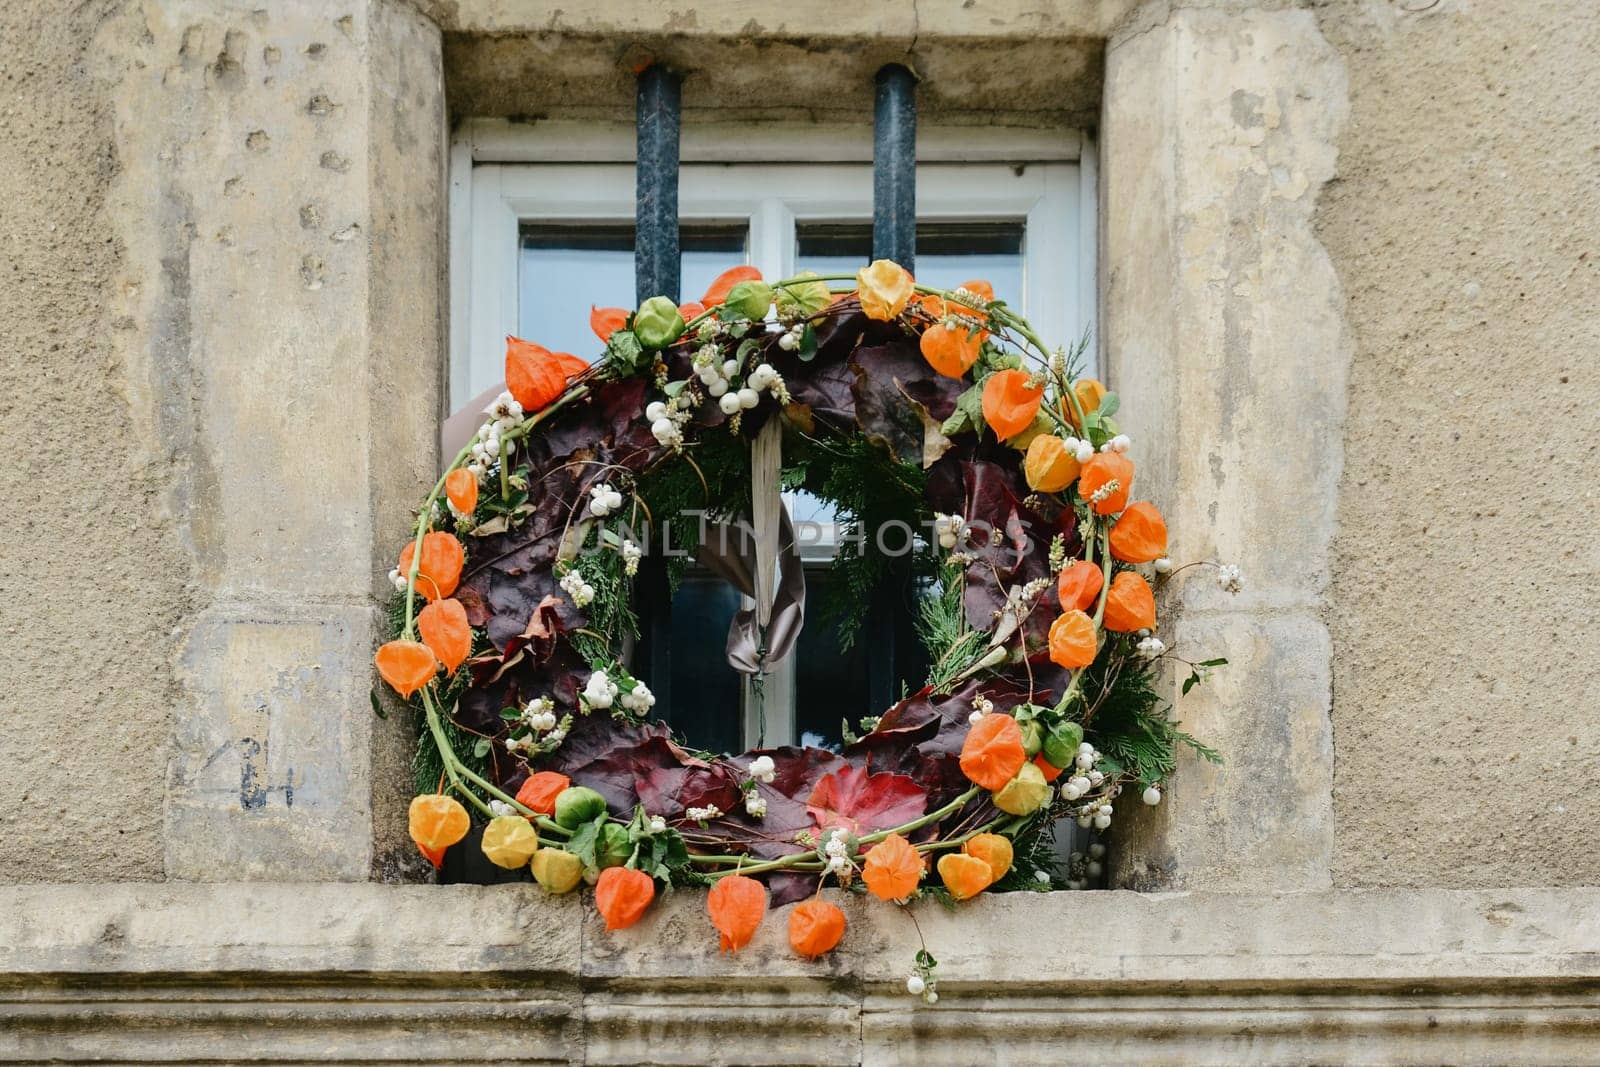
948,253
566,267
706,707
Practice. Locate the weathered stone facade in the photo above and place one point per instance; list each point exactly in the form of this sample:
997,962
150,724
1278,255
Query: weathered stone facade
1347,271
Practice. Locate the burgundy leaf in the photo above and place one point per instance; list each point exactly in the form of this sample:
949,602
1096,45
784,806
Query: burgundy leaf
863,802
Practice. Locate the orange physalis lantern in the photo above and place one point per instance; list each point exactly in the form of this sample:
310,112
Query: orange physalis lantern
540,790
606,321
893,868
815,927
992,753
461,488
884,288
691,310
950,350
535,375
1079,584
1088,393
1072,640
440,570
622,895
1130,605
436,822
1010,403
993,849
444,629
1140,534
724,283
406,665
736,905
964,876
980,288
1098,474
1049,466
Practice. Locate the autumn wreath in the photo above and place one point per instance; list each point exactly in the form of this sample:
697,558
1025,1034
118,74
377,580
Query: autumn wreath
940,407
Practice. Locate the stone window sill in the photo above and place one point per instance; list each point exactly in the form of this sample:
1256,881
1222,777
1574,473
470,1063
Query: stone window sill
342,972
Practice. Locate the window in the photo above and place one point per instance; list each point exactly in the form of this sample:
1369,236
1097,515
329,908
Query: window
533,244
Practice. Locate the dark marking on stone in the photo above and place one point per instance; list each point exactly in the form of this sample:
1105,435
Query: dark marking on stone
252,790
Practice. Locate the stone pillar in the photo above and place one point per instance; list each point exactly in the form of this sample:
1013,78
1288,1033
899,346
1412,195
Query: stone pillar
1225,331
281,191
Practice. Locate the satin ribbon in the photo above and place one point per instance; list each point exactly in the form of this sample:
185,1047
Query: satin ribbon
729,552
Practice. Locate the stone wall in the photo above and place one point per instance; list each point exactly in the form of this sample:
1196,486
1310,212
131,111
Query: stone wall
1463,223
223,226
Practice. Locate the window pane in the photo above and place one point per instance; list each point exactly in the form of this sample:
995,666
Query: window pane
706,706
948,253
566,267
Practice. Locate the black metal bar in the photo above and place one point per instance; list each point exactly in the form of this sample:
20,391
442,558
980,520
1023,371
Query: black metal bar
656,273
656,269
894,237
894,167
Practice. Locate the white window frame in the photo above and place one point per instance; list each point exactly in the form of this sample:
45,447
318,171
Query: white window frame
504,174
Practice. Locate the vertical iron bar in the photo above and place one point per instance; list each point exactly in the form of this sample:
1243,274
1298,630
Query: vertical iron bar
655,247
894,167
894,237
656,273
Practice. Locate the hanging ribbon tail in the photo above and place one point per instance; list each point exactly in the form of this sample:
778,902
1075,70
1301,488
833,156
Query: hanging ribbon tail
729,551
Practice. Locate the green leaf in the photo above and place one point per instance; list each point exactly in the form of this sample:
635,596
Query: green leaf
1190,682
808,345
481,749
746,348
511,713
1218,662
1109,405
968,413
625,351
674,388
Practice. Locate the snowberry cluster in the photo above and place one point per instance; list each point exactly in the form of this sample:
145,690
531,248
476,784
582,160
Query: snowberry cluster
1229,578
603,500
667,419
792,338
504,414
1119,443
710,811
600,691
981,706
631,554
951,530
540,714
1083,869
639,699
836,850
578,590
1151,647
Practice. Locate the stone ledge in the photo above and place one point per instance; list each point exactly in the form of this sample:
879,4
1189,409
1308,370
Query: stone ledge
308,973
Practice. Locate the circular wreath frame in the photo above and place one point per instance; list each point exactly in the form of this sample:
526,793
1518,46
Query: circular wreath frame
858,363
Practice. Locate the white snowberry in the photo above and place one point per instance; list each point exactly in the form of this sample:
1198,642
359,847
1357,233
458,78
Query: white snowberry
729,403
749,398
655,411
763,769
915,985
1152,796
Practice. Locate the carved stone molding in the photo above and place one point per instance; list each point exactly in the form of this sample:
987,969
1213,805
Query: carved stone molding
503,974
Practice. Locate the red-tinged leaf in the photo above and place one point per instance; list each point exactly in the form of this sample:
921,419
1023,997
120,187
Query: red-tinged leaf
863,802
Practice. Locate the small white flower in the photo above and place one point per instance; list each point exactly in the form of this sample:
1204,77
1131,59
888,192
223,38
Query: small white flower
500,807
763,769
600,690
631,554
1229,578
755,805
640,700
1152,647
1152,796
1163,565
504,408
658,825
710,811
838,863
837,845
